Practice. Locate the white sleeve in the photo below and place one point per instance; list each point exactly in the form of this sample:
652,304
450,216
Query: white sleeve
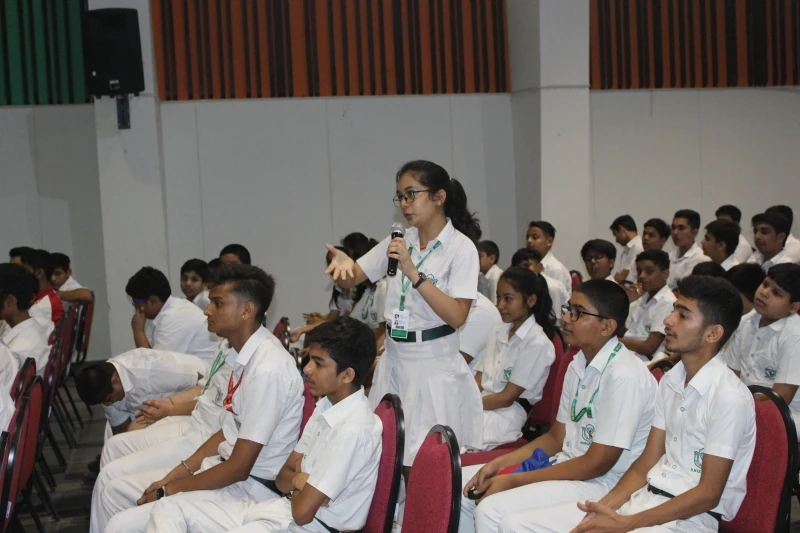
258,421
168,376
464,272
532,368
115,415
374,263
347,453
788,360
173,334
379,303
659,421
475,332
625,399
731,418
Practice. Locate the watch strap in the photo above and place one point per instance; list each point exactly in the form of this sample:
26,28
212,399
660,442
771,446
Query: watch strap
420,281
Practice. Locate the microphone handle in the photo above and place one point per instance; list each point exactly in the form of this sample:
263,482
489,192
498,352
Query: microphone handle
391,271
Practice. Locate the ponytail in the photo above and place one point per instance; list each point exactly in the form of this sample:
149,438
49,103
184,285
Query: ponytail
528,284
435,178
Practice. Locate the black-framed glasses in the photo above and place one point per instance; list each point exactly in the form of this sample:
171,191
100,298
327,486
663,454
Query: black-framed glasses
409,196
575,313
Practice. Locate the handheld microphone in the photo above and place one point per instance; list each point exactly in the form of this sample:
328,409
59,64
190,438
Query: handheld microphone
397,231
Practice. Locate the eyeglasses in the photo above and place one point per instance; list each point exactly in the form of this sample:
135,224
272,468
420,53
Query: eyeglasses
576,313
593,257
409,196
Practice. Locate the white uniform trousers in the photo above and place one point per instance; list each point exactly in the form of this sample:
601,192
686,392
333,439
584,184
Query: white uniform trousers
503,425
119,511
494,511
435,386
563,518
133,441
185,516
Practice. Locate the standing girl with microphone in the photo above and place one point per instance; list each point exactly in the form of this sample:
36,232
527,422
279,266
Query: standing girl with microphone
426,302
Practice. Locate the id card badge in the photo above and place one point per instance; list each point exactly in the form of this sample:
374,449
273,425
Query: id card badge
399,329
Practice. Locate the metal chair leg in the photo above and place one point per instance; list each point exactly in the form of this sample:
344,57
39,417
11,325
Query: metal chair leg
26,500
62,462
63,426
60,402
41,491
74,407
47,473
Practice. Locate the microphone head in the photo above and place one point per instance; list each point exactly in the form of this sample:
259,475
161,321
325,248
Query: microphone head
398,229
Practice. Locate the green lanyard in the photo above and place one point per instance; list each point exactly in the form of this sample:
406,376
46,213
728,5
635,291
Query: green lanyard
588,409
405,283
215,366
365,311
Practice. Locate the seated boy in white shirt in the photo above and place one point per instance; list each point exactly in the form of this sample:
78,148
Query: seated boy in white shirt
178,325
625,233
720,242
329,479
47,307
532,260
747,278
599,257
792,245
765,348
194,274
731,213
260,419
64,284
489,256
687,253
693,471
23,335
770,231
655,234
604,416
645,325
540,237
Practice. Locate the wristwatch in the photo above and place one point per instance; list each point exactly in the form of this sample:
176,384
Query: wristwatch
160,493
422,278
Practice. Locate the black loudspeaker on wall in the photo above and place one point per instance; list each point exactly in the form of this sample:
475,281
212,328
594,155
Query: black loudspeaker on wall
113,52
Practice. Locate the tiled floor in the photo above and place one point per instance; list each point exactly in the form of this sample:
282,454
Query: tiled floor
73,495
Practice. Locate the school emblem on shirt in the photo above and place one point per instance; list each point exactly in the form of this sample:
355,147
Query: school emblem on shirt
698,460
433,280
587,434
238,424
506,374
218,398
770,373
647,330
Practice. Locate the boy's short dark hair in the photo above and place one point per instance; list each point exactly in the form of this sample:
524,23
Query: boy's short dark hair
787,277
93,382
660,258
18,251
59,260
775,220
731,211
38,260
239,251
249,283
660,226
148,282
525,254
709,268
198,266
747,278
623,221
725,231
489,248
350,343
600,246
610,299
16,281
691,216
717,299
545,227
784,210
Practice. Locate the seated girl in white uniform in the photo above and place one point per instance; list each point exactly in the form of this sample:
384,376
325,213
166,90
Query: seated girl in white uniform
512,372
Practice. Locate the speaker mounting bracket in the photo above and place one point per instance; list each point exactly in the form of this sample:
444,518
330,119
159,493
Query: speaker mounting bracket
123,112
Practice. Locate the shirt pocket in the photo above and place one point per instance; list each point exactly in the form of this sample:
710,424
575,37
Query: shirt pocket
763,367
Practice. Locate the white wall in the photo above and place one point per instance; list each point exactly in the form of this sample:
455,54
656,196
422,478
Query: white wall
283,177
49,194
654,152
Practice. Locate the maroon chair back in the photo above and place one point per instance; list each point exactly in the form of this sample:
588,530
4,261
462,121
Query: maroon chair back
381,511
12,460
657,373
34,395
25,374
309,404
545,410
768,502
433,495
87,331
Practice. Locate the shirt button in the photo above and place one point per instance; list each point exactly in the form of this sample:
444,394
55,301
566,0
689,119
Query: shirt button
674,467
583,386
663,475
675,439
683,409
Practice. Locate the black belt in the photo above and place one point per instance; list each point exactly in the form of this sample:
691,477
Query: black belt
326,526
427,334
525,404
269,483
659,492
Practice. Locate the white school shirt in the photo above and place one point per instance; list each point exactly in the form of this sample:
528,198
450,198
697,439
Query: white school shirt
627,259
9,366
201,300
369,309
343,302
779,258
792,247
622,410
474,334
7,409
42,312
647,316
267,404
524,360
769,355
730,262
681,267
493,275
145,374
714,414
70,285
207,410
453,268
555,269
341,447
182,327
558,295
743,250
29,339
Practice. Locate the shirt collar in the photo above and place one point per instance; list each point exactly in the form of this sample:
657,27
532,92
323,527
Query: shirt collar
601,359
445,236
13,333
337,414
523,330
633,242
778,325
664,290
777,258
250,346
701,382
692,251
